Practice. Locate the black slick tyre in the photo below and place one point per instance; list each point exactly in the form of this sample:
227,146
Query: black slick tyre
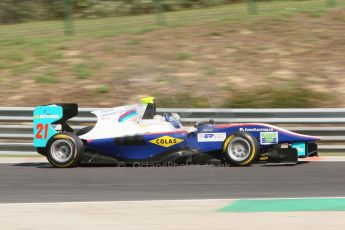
84,130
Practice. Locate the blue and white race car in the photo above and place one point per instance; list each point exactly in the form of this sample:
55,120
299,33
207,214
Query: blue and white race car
136,134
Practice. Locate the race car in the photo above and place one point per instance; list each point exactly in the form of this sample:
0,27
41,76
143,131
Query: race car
136,134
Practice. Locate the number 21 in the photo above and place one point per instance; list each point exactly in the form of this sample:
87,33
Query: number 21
39,127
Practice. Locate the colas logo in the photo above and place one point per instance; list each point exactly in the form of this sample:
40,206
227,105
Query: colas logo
166,141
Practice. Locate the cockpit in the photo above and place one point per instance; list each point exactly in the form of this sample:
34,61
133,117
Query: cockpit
150,113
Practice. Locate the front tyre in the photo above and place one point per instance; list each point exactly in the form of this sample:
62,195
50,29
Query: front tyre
241,149
64,150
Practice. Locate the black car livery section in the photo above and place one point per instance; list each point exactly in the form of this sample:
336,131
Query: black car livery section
130,140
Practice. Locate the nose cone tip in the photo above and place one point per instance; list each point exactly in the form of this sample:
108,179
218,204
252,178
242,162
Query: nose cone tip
315,138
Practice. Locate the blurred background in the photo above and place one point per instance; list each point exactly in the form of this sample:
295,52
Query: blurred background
186,53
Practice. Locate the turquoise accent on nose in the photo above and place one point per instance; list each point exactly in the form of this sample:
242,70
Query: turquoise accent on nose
301,148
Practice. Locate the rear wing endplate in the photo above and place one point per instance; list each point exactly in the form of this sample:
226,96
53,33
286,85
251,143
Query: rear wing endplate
45,116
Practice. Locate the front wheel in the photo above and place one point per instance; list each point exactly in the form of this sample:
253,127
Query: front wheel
64,150
241,149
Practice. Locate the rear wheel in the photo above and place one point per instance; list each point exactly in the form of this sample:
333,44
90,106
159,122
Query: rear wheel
241,149
64,150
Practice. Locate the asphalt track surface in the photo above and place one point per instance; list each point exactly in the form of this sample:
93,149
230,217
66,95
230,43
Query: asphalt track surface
38,182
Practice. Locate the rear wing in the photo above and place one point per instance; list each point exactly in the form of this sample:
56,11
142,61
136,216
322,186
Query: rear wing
49,119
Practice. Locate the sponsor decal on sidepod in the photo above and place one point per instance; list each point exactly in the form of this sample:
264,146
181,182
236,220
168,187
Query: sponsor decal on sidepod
47,116
166,141
255,129
268,138
211,137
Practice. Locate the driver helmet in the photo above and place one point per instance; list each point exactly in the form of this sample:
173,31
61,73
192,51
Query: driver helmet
174,119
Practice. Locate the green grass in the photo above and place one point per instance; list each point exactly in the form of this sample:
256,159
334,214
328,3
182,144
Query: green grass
22,68
54,56
211,71
183,100
83,71
48,78
15,56
182,56
134,42
43,31
2,66
288,95
214,33
103,89
316,14
44,42
52,32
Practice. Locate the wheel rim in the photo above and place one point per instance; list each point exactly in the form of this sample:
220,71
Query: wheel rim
61,151
239,149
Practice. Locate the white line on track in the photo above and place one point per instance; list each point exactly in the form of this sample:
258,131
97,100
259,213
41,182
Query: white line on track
114,201
172,200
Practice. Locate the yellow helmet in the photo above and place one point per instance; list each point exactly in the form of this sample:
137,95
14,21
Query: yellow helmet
147,100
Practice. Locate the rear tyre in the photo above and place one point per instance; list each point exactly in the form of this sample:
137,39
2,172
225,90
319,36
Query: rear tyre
64,150
241,149
84,130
